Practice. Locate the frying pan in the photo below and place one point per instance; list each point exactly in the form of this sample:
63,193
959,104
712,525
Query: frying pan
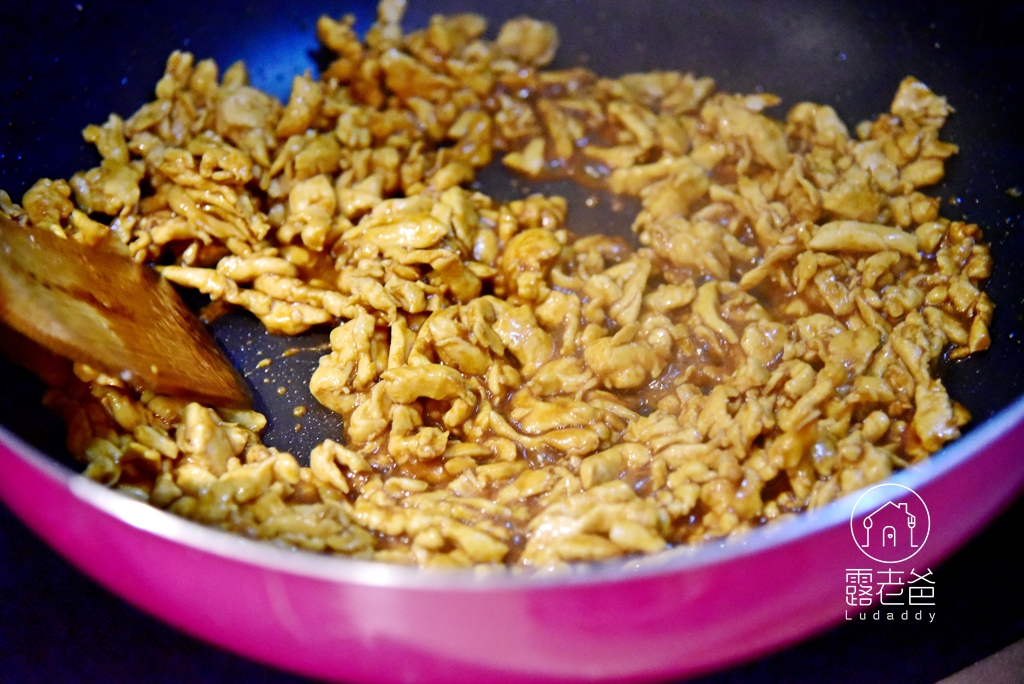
65,65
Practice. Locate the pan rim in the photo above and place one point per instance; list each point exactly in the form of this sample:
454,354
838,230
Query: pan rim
358,572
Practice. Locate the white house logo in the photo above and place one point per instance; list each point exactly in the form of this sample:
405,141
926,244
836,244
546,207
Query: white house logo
893,531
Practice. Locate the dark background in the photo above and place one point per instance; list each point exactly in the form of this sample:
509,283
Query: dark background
64,65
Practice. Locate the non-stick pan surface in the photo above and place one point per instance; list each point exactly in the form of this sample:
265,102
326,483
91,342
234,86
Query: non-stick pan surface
68,64
64,65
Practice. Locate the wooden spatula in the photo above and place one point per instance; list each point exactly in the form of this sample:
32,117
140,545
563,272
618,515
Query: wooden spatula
101,308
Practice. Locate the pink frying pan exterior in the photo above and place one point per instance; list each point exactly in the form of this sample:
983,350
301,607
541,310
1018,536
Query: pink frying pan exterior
679,613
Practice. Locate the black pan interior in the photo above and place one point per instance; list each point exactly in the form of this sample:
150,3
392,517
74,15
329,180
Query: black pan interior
64,65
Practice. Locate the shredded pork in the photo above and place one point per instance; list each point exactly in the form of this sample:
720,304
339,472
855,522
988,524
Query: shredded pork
512,393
